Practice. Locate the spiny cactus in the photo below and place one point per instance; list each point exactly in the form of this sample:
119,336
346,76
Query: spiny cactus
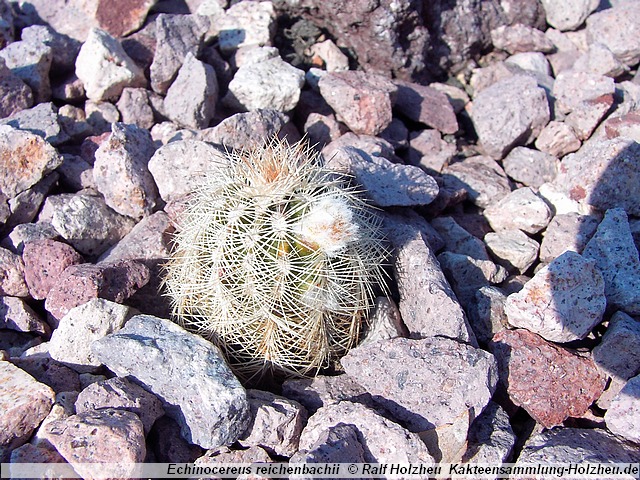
276,260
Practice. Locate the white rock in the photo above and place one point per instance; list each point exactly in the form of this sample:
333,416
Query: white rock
617,28
531,61
104,67
623,416
522,209
512,249
568,14
572,87
246,23
334,59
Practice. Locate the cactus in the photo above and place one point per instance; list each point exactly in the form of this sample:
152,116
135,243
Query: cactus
276,260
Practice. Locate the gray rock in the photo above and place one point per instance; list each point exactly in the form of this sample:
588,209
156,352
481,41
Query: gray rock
562,302
429,151
509,113
25,205
512,249
191,98
576,445
31,62
41,120
12,274
85,221
618,354
522,209
120,394
458,240
15,314
491,438
572,87
134,107
611,27
28,232
397,372
568,15
373,430
276,423
557,139
75,173
385,322
333,58
104,67
520,38
269,84
387,184
64,49
568,231
339,444
225,455
530,167
168,361
15,95
482,178
486,314
246,24
179,167
616,256
322,391
71,341
68,18
176,35
121,174
427,303
623,415
532,61
100,115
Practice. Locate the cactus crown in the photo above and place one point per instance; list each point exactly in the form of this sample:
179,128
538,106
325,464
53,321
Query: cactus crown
276,260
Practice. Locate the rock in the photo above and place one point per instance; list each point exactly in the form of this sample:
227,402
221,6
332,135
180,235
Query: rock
79,284
611,27
385,322
624,412
557,139
71,341
120,394
178,167
105,435
458,240
627,125
276,423
68,88
509,113
362,101
44,262
617,355
48,371
244,130
332,57
24,403
121,174
568,15
168,445
123,16
166,360
427,303
28,232
397,371
548,381
12,274
323,129
373,430
512,249
322,391
368,144
562,302
15,95
573,87
486,313
73,121
100,115
85,221
25,159
601,61
15,314
270,84
576,444
176,35
519,38
24,206
31,62
386,183
64,49
246,24
191,98
225,455
567,231
426,105
29,453
616,256
534,62
41,120
7,31
457,97
482,178
522,209
530,167
73,18
134,107
429,151
339,444
104,68
491,438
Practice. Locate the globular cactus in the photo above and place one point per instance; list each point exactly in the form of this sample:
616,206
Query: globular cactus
276,260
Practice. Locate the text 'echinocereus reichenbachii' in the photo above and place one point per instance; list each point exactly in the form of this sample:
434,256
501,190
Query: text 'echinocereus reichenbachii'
276,260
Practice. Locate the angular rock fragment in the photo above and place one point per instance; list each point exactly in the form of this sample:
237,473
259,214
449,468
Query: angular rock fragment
429,151
570,14
486,313
121,17
426,105
15,314
482,178
623,415
12,274
572,87
491,438
50,372
618,354
458,240
520,38
512,249
522,209
322,391
15,95
246,24
613,26
567,231
339,444
530,167
134,106
31,62
557,139
41,120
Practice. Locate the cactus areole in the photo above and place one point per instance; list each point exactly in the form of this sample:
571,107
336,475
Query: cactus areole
276,260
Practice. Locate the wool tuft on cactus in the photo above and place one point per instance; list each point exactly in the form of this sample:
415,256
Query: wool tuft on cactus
276,260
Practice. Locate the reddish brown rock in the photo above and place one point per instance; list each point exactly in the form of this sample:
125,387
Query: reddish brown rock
44,262
80,283
120,17
551,383
363,101
426,105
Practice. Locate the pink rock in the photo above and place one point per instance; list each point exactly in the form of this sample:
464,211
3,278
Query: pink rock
426,105
80,283
12,274
44,262
585,118
558,139
551,383
520,38
48,371
363,101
